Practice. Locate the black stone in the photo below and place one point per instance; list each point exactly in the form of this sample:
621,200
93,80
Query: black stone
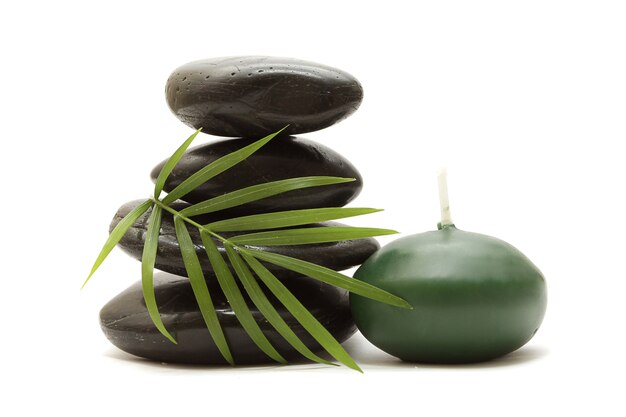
253,96
281,158
336,255
126,323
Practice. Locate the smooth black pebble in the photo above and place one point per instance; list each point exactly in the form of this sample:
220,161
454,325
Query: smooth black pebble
126,323
281,158
253,96
336,255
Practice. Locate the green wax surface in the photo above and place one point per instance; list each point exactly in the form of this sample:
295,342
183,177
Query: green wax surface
475,297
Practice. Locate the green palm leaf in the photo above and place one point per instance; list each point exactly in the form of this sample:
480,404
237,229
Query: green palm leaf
329,276
147,269
200,289
215,168
286,219
266,308
171,163
258,192
117,233
236,300
308,235
304,317
260,224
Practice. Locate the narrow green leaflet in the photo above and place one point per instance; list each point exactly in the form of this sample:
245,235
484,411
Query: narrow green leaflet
266,308
258,192
236,300
215,168
117,233
286,219
304,317
147,269
200,289
171,163
329,276
307,236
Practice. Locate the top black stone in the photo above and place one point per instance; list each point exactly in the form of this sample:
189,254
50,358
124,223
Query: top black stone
253,96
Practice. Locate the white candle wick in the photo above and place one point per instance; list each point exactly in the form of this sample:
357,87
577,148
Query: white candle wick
444,203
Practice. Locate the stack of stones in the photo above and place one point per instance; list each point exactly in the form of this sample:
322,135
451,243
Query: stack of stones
246,98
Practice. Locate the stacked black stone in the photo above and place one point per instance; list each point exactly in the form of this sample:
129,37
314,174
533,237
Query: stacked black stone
247,98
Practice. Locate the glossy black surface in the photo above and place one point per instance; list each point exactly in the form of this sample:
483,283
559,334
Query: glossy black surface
126,323
281,158
253,96
338,255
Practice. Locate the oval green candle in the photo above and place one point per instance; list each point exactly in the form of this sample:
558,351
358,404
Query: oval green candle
474,297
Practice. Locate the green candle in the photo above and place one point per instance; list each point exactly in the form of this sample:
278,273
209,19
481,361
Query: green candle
475,297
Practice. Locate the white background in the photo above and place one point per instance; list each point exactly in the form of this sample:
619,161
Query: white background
525,102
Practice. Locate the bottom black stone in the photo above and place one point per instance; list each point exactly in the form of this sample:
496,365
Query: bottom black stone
126,323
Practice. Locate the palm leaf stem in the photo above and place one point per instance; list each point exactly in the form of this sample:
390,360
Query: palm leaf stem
188,220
